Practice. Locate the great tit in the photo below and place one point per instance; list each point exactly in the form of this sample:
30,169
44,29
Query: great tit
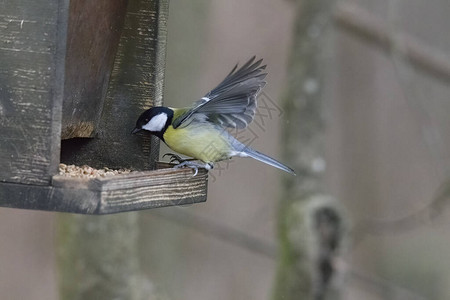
200,131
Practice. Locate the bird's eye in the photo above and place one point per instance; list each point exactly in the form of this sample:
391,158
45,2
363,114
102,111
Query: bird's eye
146,120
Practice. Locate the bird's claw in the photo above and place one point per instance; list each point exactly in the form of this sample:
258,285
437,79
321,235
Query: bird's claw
176,158
173,158
193,165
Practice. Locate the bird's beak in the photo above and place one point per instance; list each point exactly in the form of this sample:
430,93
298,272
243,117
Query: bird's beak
136,130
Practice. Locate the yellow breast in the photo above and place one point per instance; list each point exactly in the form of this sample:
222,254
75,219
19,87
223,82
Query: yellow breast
200,141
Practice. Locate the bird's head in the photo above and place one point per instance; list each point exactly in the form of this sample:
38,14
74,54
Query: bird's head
155,120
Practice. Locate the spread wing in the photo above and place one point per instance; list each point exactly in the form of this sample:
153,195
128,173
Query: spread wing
233,102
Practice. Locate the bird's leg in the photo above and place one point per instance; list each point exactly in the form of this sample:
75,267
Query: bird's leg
194,165
176,158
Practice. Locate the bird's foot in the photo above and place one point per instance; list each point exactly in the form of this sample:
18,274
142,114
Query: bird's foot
176,158
194,165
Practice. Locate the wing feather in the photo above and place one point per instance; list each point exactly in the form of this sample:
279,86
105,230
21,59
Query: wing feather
233,102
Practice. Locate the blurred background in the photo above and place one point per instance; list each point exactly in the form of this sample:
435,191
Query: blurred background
384,100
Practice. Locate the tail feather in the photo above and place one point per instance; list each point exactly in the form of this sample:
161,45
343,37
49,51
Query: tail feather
266,159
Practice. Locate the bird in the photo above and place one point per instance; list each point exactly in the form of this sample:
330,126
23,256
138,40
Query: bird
200,130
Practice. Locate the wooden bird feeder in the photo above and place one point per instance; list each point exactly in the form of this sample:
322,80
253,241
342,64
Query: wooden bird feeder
74,77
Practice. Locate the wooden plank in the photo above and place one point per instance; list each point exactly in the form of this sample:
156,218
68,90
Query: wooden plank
162,192
32,47
128,181
89,61
20,34
140,179
67,182
167,188
35,10
114,202
49,198
26,72
136,83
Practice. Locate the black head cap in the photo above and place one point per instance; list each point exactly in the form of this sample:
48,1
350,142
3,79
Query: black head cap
155,120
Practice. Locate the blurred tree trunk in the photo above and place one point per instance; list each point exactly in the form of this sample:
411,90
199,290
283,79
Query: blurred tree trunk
312,226
98,258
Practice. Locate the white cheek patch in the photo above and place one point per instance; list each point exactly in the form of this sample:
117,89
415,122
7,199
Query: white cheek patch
157,123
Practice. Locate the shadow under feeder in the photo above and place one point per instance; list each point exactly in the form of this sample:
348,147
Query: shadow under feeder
93,84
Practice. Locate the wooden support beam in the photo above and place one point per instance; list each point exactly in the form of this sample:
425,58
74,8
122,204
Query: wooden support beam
32,52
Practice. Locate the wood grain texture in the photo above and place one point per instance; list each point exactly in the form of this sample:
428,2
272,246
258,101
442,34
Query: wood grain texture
49,198
140,190
32,46
136,83
93,37
128,192
167,187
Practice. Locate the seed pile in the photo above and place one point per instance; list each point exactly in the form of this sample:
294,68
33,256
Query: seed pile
88,172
